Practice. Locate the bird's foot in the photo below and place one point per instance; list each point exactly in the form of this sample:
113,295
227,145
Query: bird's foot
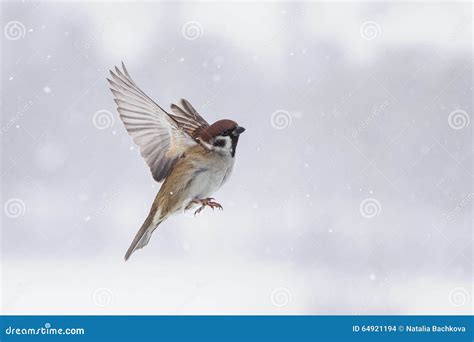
205,202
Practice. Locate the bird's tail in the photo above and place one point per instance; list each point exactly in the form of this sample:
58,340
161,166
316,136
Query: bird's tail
144,233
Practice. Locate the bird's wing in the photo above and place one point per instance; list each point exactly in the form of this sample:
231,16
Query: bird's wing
188,118
162,138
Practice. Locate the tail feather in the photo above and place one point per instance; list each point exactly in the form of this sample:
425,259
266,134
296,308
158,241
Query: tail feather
143,235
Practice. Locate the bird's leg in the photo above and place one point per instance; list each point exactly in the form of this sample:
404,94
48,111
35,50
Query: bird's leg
209,202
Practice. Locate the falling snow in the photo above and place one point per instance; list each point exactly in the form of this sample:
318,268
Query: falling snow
293,216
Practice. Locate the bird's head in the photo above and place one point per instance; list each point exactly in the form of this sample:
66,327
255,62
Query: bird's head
222,136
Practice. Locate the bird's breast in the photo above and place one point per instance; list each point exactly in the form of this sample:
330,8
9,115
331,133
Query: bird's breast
198,175
209,175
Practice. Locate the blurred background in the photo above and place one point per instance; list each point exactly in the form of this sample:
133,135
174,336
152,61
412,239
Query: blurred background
352,189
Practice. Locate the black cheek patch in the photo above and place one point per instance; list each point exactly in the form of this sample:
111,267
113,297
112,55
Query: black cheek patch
219,143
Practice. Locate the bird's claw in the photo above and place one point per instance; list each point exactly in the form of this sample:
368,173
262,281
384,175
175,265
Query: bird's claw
209,203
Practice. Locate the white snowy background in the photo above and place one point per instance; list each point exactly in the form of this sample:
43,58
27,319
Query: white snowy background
352,190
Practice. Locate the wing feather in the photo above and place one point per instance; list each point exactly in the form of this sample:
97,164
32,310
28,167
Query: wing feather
160,137
188,118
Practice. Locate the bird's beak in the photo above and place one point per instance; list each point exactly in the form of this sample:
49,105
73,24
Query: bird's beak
238,130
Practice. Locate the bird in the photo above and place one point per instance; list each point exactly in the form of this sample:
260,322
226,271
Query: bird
191,157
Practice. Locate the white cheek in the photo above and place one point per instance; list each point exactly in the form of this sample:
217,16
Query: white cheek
228,143
227,146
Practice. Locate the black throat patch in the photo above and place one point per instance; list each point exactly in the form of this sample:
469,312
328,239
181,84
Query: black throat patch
235,140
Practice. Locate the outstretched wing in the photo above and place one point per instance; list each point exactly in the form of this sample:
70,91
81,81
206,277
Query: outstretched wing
188,118
162,138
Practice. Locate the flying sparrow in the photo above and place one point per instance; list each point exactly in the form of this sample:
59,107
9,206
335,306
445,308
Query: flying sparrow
192,157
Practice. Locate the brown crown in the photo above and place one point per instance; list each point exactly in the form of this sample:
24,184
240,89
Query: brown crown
216,129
